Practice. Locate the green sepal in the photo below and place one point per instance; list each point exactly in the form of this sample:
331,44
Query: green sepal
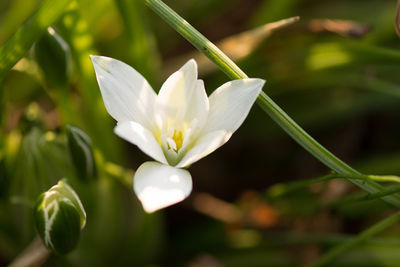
66,191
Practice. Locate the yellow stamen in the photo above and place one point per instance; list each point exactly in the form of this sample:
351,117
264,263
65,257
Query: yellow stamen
178,138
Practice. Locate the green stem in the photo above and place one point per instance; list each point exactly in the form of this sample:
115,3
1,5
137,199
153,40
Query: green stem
280,190
197,39
36,254
276,239
265,102
373,230
367,197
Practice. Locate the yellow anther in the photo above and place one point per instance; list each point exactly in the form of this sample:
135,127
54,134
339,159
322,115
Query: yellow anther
178,138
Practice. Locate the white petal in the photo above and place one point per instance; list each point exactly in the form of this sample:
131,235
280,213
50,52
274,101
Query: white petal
182,96
158,186
126,94
198,106
230,104
136,134
204,146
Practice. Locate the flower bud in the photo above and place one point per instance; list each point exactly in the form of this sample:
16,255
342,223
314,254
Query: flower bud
80,149
59,217
53,56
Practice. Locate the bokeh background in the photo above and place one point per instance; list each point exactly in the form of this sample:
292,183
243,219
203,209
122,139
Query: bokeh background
336,73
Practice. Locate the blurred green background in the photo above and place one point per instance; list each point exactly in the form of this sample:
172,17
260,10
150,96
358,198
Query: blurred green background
335,72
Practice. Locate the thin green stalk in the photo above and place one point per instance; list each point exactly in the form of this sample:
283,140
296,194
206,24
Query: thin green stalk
197,39
265,102
325,239
17,46
279,190
373,230
367,197
380,86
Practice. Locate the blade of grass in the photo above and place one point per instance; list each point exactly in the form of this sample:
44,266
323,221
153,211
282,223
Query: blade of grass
17,46
278,238
265,102
16,13
362,237
382,86
280,190
366,197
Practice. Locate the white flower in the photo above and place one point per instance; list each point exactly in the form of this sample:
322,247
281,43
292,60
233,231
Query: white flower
177,127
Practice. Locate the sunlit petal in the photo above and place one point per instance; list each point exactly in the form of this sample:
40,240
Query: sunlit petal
182,97
136,134
126,94
158,186
230,104
204,146
198,106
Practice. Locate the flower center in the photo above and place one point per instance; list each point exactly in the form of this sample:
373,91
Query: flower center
175,139
178,139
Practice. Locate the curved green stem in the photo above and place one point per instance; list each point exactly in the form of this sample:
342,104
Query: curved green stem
264,101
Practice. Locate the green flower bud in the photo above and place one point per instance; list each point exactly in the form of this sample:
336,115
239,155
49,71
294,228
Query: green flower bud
59,217
53,56
80,148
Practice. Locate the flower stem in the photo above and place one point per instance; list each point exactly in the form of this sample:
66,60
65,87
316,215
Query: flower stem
366,196
363,236
281,189
265,102
34,255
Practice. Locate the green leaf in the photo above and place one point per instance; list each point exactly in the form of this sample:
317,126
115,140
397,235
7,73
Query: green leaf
17,46
40,162
17,11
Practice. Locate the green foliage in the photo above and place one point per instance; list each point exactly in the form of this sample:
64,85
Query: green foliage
17,46
342,90
140,41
